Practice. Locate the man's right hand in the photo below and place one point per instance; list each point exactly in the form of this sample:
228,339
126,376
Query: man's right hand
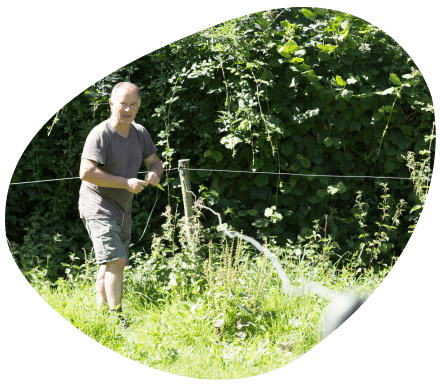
135,185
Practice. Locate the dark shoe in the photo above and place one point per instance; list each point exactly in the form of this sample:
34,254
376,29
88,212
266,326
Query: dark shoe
118,318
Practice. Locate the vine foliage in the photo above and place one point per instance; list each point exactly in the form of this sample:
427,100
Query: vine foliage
295,90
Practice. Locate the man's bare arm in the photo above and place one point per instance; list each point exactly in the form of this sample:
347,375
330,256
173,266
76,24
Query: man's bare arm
90,172
155,168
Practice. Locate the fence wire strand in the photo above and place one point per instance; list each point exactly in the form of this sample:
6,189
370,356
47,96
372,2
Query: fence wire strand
249,172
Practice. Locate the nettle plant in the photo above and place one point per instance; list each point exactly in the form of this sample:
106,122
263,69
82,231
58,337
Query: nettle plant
235,289
421,173
373,241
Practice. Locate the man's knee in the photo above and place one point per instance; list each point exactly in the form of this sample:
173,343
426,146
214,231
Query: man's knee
117,264
101,275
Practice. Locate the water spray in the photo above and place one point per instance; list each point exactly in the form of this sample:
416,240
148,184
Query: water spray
341,304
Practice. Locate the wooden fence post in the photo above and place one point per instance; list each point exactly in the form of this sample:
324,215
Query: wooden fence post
184,181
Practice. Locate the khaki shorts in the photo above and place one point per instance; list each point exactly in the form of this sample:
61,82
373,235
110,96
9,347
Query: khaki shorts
110,240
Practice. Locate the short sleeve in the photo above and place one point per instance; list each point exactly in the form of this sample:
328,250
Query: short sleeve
148,147
95,147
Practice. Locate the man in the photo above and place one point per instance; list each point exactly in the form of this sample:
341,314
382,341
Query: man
111,159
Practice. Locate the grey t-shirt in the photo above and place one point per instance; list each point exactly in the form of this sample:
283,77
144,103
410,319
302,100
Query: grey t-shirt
117,156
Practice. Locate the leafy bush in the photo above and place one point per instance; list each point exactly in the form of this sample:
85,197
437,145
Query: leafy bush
305,91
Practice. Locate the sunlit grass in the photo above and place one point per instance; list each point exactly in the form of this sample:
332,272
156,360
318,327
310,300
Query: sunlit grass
173,329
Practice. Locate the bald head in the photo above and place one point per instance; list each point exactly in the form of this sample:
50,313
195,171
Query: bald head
126,86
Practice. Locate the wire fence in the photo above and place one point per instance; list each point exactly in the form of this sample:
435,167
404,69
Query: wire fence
173,170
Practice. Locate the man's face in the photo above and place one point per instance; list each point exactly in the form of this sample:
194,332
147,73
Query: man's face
125,105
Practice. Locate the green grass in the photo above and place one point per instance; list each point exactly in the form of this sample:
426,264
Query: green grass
173,328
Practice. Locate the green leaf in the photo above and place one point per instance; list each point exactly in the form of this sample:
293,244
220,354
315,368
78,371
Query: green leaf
267,74
257,164
218,156
283,51
346,94
377,116
351,80
260,222
389,166
387,109
211,197
296,60
355,125
395,79
297,191
285,24
262,21
274,124
300,118
323,56
340,81
348,114
338,188
388,91
317,159
261,180
311,76
328,141
332,190
287,149
253,212
341,105
300,52
286,189
309,14
260,192
400,140
417,207
304,161
291,46
230,141
315,199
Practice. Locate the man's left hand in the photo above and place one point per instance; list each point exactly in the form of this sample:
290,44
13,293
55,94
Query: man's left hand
152,178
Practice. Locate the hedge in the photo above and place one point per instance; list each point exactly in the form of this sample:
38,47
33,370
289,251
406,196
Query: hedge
298,90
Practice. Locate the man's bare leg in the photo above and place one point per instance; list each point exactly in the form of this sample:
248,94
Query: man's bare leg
101,297
113,282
